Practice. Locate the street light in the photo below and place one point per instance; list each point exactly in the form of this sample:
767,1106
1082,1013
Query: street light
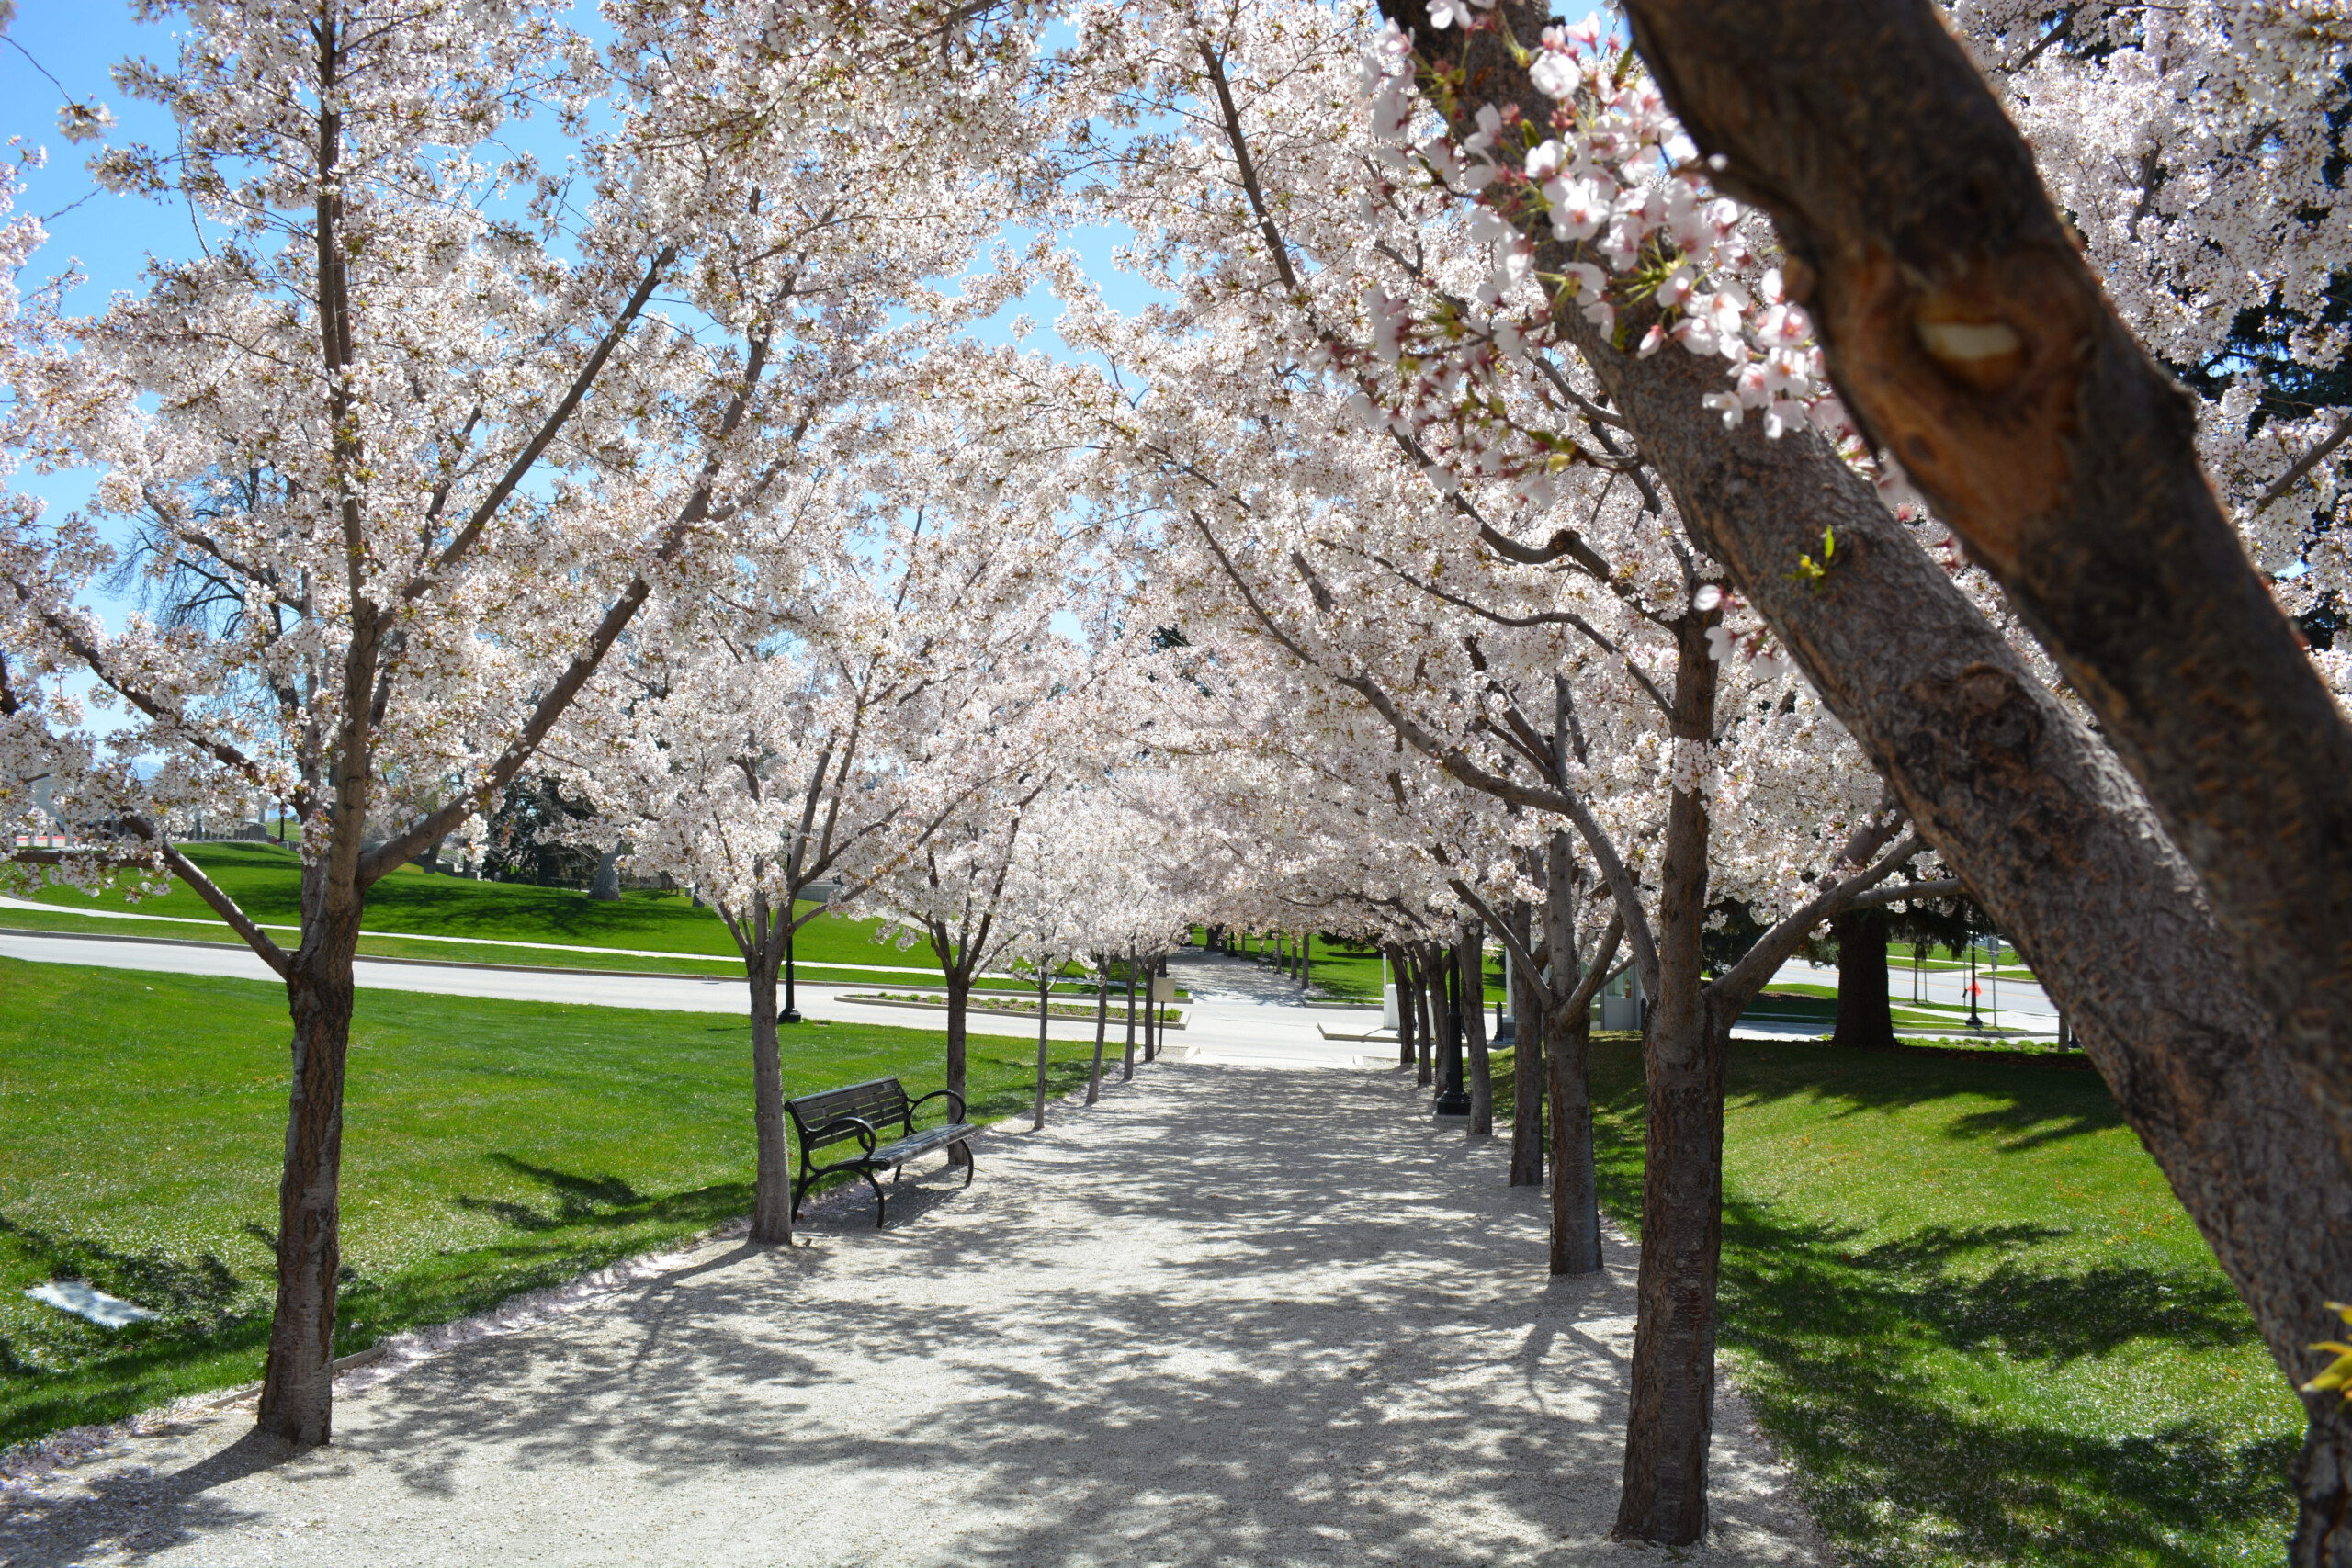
791,1014
1973,1021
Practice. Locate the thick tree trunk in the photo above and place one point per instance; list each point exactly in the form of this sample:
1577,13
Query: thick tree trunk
1673,1375
1865,1019
1102,1026
1527,1075
1045,1018
2323,1475
297,1386
2029,809
606,887
1575,1191
772,1172
2065,455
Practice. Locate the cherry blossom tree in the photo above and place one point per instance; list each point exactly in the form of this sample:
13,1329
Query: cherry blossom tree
426,425
2000,775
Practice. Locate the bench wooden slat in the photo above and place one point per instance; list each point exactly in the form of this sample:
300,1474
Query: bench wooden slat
883,1106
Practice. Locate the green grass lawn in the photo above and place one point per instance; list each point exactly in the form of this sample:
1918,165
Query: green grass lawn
266,881
489,1148
1353,972
1965,1302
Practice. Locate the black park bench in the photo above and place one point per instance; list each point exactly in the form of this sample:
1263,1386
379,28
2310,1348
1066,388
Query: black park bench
860,1113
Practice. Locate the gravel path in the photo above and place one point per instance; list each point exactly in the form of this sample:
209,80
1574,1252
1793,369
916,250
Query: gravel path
1231,1315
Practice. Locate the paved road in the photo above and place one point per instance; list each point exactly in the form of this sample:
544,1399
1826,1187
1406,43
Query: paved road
1241,1012
2019,1007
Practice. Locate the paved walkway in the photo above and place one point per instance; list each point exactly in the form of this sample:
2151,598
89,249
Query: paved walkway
1171,1330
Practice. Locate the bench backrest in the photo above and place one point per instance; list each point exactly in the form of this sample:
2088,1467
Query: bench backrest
882,1103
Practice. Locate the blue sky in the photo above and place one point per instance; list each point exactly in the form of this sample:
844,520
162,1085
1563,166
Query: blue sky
111,237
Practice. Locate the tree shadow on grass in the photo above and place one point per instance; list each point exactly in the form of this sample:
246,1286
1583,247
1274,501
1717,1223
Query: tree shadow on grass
1846,1356
56,1370
596,1201
2032,1106
1867,1360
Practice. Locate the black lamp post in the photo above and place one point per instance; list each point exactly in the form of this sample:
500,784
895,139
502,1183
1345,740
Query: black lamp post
1973,1021
791,1014
1453,1100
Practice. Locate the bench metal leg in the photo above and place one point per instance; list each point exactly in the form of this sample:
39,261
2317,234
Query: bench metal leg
967,1163
881,1212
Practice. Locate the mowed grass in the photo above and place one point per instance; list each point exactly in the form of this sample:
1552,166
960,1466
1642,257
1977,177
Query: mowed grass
489,1149
265,881
1965,1302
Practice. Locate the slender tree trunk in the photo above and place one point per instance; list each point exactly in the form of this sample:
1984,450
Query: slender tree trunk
1528,1047
959,998
1128,1073
1425,980
1307,962
1406,1034
1044,994
1865,1020
1673,1375
297,1388
1150,1010
1101,1025
1567,1048
1472,956
771,1174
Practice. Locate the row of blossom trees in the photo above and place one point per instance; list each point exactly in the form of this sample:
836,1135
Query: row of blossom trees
1517,522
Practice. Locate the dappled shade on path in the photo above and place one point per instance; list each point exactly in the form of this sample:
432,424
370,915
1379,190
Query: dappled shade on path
1231,1315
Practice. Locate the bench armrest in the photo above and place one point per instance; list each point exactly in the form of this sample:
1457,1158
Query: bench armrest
864,1133
937,1094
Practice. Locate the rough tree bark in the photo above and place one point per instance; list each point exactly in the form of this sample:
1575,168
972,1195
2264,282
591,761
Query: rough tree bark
1865,1019
1127,1066
1672,1387
1470,956
1406,1034
1151,1009
957,962
772,1170
1575,1188
1968,337
1045,1019
1101,1025
1527,1063
297,1399
606,887
2035,816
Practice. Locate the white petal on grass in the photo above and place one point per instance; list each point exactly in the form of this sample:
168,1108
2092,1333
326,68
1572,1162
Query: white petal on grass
85,1300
